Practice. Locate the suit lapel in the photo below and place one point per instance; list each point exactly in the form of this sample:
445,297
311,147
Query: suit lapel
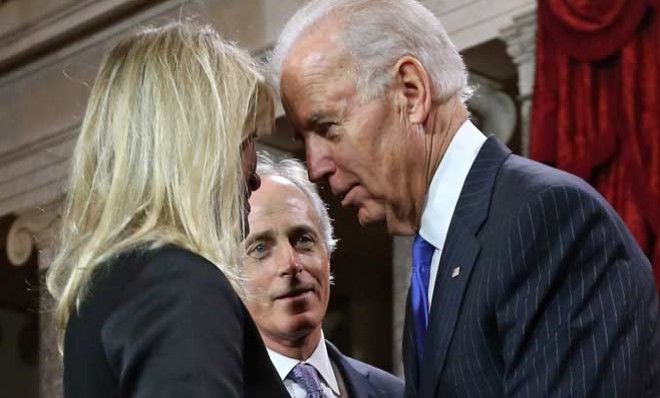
447,300
459,254
355,378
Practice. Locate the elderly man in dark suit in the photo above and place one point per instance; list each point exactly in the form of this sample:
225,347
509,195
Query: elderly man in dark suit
525,282
288,286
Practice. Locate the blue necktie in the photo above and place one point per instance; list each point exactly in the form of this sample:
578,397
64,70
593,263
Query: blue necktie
422,251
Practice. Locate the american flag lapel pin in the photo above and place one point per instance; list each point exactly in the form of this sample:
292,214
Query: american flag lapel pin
455,272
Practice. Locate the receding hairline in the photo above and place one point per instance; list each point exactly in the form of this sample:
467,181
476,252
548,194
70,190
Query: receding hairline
333,21
284,181
278,179
280,182
315,31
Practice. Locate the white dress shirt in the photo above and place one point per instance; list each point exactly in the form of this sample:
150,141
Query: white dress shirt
445,189
319,360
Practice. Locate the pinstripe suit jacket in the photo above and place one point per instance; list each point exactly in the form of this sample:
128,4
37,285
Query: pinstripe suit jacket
553,298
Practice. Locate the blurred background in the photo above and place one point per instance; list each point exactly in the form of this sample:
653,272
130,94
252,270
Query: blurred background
572,83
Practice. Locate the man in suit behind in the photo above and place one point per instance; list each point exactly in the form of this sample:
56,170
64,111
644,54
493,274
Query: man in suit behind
288,286
525,282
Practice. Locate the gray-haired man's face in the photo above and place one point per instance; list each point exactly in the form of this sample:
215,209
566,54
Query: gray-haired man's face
358,146
287,263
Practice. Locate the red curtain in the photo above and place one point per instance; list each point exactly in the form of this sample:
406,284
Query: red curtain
596,106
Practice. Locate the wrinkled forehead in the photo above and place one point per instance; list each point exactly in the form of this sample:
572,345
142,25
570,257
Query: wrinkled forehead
314,82
313,65
277,196
274,193
320,41
319,52
280,198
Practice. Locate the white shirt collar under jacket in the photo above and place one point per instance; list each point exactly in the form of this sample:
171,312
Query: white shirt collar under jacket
445,189
319,360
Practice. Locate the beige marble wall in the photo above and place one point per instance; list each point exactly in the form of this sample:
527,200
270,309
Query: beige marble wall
472,22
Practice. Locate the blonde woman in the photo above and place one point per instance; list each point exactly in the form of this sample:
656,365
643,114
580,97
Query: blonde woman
151,235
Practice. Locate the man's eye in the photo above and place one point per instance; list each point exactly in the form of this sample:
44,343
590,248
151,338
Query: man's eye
325,129
257,250
304,242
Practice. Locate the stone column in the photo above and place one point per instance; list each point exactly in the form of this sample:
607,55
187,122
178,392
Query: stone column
401,266
494,111
37,229
520,39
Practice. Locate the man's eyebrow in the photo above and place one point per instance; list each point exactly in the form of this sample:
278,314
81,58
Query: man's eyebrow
304,228
316,117
258,236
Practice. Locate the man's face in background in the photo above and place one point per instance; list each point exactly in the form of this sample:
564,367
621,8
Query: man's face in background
287,263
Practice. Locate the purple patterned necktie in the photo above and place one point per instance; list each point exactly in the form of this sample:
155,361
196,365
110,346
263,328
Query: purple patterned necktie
305,375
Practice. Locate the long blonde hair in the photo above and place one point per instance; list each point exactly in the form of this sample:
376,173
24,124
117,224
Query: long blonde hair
158,157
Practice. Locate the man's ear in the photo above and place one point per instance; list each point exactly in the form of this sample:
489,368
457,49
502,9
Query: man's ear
414,88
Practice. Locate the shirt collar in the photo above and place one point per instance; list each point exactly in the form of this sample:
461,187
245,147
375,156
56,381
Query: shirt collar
319,360
448,181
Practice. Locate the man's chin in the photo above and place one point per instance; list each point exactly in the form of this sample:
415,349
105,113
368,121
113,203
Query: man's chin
367,216
301,325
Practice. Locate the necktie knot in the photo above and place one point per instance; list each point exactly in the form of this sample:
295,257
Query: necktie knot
305,375
422,252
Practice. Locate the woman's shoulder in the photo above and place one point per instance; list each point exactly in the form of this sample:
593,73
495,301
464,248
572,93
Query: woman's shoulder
167,269
173,304
168,262
170,255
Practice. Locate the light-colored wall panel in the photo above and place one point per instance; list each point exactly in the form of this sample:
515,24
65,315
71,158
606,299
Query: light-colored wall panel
44,26
472,22
42,106
38,176
17,15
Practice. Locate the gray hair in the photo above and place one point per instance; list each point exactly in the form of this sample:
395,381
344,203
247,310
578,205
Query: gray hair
376,34
294,171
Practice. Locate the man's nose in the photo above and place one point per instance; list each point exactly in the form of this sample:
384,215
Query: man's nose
288,260
320,164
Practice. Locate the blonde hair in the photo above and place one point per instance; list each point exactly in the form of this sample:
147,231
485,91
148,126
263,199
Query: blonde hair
158,158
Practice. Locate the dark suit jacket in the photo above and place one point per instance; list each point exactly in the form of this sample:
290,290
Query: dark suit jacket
553,296
362,380
165,323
